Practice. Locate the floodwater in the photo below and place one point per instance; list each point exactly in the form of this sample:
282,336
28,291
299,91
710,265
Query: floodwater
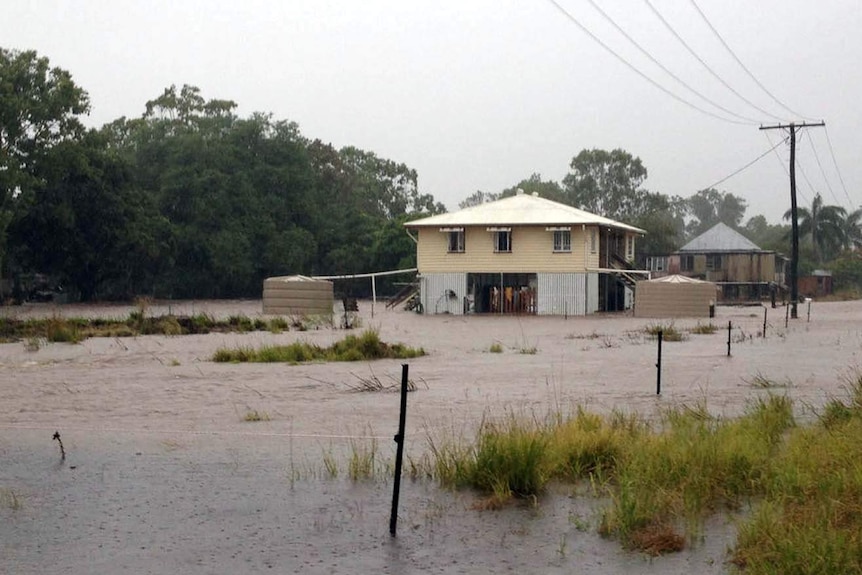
163,475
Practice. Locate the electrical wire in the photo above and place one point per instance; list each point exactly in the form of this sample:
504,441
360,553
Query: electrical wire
819,165
634,69
743,66
705,65
835,163
664,68
746,166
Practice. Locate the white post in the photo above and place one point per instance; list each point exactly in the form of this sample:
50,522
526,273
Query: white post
373,294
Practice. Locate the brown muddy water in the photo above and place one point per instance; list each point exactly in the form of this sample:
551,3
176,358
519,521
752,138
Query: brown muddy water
163,475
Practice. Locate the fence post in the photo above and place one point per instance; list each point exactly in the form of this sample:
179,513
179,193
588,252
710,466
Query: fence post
658,365
809,312
729,328
787,316
399,454
764,322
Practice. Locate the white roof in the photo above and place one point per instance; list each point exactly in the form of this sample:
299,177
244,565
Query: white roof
520,210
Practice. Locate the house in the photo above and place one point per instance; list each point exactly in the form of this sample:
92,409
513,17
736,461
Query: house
818,284
722,255
524,254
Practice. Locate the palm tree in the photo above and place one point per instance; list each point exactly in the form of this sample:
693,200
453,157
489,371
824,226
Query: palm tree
853,230
825,224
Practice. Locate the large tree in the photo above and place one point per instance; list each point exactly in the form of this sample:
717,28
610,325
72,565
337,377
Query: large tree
709,207
606,183
39,108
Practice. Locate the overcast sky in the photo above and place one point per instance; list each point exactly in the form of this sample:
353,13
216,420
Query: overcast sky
479,94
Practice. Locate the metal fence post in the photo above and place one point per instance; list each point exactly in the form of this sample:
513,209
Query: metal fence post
399,454
658,365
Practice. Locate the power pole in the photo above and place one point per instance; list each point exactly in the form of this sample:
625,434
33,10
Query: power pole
794,245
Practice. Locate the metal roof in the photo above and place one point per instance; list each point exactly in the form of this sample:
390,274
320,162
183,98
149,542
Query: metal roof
520,210
720,238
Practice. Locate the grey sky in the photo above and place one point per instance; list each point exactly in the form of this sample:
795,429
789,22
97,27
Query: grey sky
481,94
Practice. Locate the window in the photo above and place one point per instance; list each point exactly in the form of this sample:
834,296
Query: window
713,262
456,242
593,241
686,263
630,247
562,241
503,242
656,264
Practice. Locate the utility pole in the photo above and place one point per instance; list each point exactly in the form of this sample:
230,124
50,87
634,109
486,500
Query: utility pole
794,245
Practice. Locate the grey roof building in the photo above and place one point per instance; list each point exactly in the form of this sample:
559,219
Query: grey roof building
720,238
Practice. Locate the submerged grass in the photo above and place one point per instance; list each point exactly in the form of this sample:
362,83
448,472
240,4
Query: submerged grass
664,479
74,330
366,346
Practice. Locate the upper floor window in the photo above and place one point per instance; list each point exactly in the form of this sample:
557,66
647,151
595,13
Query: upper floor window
503,241
713,262
593,241
562,241
456,241
686,263
630,247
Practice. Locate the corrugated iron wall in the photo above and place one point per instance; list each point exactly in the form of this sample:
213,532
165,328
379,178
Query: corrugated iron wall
563,294
435,292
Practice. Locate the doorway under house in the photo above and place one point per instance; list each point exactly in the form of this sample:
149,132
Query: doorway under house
502,293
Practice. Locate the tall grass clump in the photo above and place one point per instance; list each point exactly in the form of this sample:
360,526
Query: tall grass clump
589,446
363,460
811,518
696,464
58,329
704,329
366,346
669,331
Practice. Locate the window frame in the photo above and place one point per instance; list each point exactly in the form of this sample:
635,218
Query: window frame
457,239
594,244
498,235
713,262
562,241
686,263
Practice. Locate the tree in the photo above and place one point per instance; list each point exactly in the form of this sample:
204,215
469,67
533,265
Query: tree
39,108
826,226
663,219
606,183
86,225
548,189
478,198
767,236
853,230
709,207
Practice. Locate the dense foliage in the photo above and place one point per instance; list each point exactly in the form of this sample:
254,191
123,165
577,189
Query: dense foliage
191,200
188,200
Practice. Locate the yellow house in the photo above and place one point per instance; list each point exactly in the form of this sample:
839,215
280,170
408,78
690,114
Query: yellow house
524,254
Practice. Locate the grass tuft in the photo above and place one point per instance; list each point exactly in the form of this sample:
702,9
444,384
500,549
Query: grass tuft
496,347
366,346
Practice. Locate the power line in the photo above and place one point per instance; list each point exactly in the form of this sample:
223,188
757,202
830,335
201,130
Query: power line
743,66
596,39
746,166
705,65
822,172
664,68
840,177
